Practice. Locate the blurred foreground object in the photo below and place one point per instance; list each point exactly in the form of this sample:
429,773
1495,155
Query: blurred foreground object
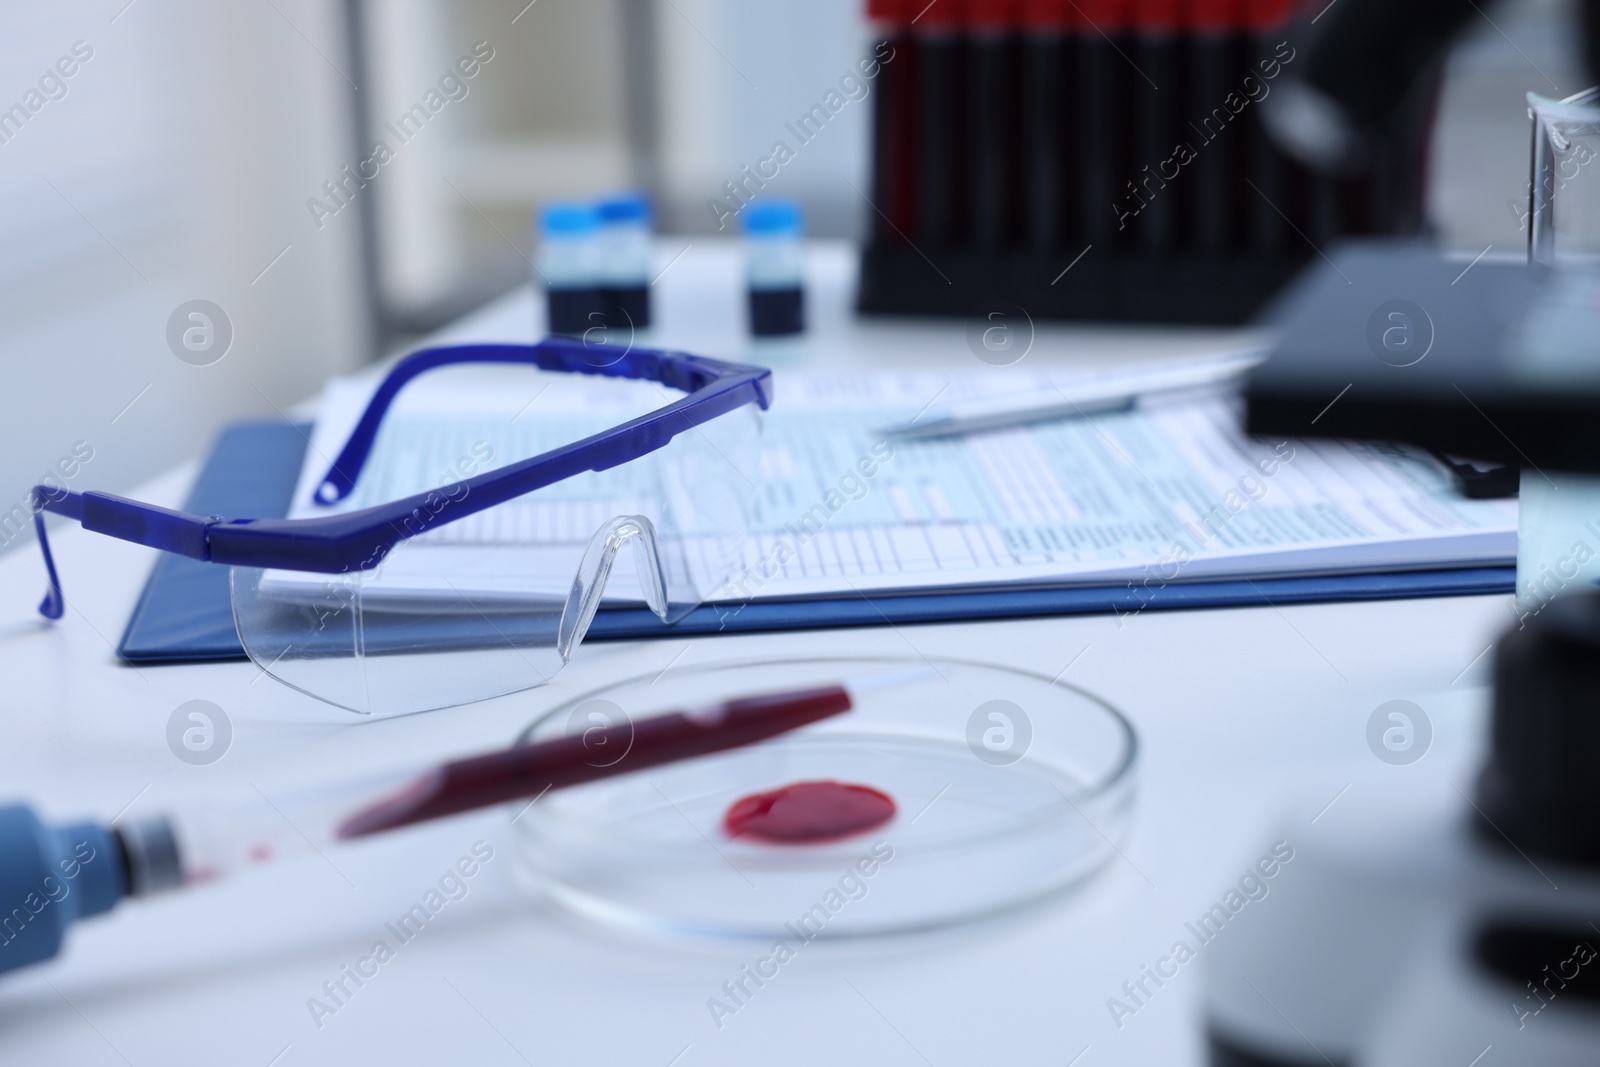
1405,936
1490,360
1430,928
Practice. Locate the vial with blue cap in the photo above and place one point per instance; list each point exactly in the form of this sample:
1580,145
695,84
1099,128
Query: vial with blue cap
570,267
773,268
627,251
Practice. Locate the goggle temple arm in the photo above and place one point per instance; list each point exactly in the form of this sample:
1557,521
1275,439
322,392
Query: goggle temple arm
678,370
127,520
53,606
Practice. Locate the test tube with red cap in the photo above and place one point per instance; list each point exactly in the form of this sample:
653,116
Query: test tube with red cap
1150,194
1215,173
894,120
992,121
1045,161
940,128
1099,54
1266,22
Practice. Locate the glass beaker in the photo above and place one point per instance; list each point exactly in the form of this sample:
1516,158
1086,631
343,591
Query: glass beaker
1558,523
1566,147
1555,350
1558,537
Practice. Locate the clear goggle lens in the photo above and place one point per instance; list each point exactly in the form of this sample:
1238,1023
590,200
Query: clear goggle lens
497,601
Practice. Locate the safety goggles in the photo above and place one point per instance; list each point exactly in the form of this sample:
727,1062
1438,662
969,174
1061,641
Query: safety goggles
481,587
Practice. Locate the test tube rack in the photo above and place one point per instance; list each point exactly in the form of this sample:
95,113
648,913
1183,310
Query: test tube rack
1106,160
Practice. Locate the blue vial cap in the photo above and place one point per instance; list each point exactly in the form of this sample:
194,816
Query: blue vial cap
568,219
773,218
625,207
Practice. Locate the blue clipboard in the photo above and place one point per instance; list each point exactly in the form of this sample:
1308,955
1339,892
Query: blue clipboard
185,615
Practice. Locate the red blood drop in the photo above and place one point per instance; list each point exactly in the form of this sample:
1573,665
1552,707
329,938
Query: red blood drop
803,812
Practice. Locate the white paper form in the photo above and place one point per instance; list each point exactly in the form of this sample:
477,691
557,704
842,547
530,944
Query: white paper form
464,422
1170,491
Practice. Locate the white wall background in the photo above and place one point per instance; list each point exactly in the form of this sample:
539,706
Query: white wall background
733,72
176,167
1479,178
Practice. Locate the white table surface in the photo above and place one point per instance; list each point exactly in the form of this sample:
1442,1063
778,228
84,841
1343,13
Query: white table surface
1248,718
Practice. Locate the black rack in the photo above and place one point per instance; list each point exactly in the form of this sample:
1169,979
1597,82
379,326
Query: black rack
1036,165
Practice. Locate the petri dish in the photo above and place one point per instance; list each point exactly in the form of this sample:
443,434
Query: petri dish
1009,789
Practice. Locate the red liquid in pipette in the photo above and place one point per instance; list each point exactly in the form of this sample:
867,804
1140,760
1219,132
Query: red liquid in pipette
530,770
807,812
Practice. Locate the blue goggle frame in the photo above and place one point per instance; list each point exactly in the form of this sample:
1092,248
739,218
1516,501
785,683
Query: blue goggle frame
359,540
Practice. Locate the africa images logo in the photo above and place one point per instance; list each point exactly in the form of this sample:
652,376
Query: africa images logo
1400,333
199,332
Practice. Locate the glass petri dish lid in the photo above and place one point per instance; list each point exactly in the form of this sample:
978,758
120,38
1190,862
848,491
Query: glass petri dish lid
1008,789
